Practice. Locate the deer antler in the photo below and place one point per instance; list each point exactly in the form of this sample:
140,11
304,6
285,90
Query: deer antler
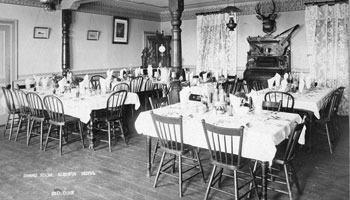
258,8
273,9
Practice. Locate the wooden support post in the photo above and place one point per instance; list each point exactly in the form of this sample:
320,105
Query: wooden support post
176,8
66,21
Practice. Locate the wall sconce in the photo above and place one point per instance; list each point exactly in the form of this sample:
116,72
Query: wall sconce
50,5
231,25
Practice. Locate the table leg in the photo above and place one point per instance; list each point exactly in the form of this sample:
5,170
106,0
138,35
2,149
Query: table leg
264,169
149,154
90,135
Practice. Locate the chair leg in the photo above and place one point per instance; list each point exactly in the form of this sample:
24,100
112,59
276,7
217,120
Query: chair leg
329,139
41,135
122,131
180,176
288,182
199,164
220,176
28,127
81,133
159,170
8,119
210,182
19,127
295,178
47,137
109,136
236,183
155,151
30,132
60,141
12,123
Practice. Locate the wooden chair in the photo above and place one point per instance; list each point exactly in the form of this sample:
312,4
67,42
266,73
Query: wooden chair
12,110
220,142
339,93
95,82
149,85
259,85
110,119
326,121
287,100
54,108
273,106
157,103
170,135
284,159
38,114
23,110
136,84
121,86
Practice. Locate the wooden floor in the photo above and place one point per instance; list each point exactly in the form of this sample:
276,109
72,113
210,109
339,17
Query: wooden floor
29,174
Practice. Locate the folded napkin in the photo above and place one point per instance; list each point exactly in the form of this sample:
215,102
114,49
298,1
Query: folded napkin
121,74
109,78
29,81
61,84
184,95
205,77
137,71
45,82
191,77
37,80
277,79
301,82
257,100
307,82
103,84
235,101
270,82
150,71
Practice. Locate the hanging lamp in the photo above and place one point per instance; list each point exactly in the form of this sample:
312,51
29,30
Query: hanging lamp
231,10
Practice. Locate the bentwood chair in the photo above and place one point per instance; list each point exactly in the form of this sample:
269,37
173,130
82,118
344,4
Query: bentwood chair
170,134
23,110
277,178
136,84
287,100
157,103
38,114
121,86
95,82
57,118
225,148
110,119
12,110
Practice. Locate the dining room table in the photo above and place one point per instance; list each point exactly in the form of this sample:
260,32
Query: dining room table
263,129
80,105
310,101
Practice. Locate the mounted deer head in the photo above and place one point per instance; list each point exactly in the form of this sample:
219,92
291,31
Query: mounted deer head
269,23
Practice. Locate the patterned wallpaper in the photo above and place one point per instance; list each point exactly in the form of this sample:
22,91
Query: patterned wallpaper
248,8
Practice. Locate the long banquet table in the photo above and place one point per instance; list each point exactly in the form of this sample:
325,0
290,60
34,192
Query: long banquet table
310,100
263,131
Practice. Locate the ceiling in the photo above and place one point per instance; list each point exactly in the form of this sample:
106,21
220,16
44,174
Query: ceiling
155,6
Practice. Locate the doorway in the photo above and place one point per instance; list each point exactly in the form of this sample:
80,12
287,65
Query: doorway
8,59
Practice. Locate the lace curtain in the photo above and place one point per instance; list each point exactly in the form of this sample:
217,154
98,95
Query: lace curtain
327,32
216,45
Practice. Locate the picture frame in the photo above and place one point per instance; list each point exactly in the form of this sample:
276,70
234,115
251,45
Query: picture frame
120,30
41,32
93,35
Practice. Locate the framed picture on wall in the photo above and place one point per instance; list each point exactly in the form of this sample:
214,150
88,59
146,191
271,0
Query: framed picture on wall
120,30
93,35
41,32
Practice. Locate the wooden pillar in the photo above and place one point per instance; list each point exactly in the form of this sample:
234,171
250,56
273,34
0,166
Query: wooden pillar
66,21
176,8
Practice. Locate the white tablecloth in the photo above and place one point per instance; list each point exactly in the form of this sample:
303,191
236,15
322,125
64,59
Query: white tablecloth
265,130
82,106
